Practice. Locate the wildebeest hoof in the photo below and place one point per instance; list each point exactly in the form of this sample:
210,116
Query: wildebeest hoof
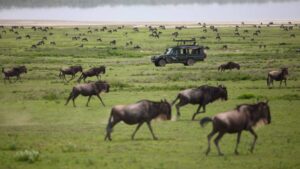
236,153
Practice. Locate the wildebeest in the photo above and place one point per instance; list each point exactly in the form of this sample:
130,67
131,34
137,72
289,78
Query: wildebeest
72,70
15,71
244,117
278,75
89,89
52,43
113,42
95,71
229,65
202,96
138,113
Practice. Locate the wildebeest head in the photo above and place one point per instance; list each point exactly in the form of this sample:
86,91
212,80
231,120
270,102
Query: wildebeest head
258,112
102,85
223,92
165,109
284,71
264,112
103,69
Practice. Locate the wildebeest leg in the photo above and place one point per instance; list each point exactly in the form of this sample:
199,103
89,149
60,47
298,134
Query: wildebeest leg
178,105
285,82
280,83
150,128
69,98
73,76
75,95
237,143
137,128
209,136
254,141
100,100
220,135
87,104
197,112
97,77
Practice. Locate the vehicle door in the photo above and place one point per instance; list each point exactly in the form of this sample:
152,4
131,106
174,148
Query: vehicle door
182,55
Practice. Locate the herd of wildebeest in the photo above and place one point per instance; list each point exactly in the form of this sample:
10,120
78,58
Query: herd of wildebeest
242,117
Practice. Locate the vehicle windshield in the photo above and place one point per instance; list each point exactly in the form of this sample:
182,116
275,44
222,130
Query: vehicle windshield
168,51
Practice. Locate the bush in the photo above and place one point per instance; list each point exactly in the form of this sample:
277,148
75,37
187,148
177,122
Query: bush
246,96
30,156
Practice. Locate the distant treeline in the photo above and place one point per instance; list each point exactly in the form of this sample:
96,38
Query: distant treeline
94,3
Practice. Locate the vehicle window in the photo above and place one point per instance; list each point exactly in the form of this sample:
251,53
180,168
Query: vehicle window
184,51
195,51
169,51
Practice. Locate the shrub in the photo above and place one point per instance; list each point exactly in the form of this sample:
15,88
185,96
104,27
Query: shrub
30,156
246,96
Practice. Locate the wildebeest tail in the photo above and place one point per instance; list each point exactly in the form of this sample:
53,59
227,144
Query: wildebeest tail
205,120
175,100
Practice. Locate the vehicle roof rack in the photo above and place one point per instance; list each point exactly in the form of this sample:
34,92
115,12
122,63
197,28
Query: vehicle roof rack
185,41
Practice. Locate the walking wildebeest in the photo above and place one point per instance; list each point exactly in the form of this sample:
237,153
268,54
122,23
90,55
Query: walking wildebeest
278,76
72,70
138,113
229,65
15,71
88,89
95,71
202,96
244,117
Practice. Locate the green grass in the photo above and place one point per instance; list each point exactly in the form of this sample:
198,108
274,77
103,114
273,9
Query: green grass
33,117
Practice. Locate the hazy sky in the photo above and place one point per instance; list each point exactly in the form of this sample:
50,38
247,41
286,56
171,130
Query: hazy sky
187,12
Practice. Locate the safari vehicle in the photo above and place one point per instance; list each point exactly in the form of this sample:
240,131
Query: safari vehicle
184,53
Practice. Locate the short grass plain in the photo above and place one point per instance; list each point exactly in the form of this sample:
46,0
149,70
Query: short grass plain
33,115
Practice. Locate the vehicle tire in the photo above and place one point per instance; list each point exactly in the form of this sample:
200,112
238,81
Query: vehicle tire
190,62
162,63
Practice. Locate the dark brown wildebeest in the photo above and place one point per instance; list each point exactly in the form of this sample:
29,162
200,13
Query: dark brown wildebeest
84,39
89,89
175,34
15,71
27,36
33,46
72,70
113,42
229,65
202,96
278,75
244,117
138,113
95,71
99,40
137,47
52,43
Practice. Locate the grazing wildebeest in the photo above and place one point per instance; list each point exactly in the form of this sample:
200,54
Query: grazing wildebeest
84,39
138,113
15,71
278,75
89,89
113,42
202,96
52,43
229,65
95,71
244,117
137,47
72,70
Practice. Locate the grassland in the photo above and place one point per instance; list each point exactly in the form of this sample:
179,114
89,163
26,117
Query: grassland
33,116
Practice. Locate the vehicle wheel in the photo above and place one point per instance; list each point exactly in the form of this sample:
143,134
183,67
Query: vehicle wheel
190,62
162,63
